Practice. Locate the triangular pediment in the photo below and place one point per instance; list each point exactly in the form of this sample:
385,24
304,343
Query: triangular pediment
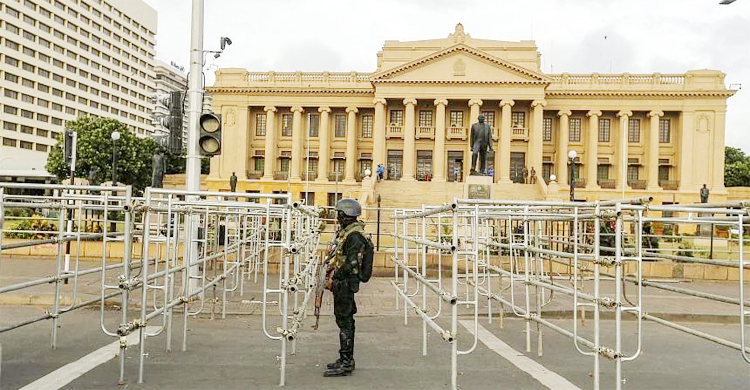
461,64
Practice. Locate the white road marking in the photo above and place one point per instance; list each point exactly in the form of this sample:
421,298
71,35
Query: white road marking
546,377
70,372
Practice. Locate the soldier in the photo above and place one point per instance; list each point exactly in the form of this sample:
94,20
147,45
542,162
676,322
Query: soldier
345,282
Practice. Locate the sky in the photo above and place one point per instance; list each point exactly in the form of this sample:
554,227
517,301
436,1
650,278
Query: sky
573,36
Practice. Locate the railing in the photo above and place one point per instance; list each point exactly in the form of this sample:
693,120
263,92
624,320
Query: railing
425,132
281,175
671,185
308,176
254,175
520,133
394,131
579,183
611,184
309,77
619,79
637,184
335,176
456,132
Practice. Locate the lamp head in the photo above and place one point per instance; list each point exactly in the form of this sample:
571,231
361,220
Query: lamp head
115,135
552,177
367,172
572,154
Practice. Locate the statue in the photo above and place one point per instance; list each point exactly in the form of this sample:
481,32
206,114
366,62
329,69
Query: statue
94,176
157,176
233,183
704,194
481,142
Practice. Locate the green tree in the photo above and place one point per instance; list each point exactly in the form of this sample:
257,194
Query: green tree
736,168
95,148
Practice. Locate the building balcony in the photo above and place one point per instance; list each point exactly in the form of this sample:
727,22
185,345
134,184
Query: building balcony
520,133
579,183
309,176
455,132
281,175
670,185
637,184
425,132
254,175
392,131
335,176
606,183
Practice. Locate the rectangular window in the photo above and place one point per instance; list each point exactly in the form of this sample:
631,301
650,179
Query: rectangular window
632,173
518,120
425,118
602,172
41,147
663,172
259,163
29,36
634,130
547,129
27,129
11,44
27,98
10,110
286,125
489,118
42,133
575,130
604,129
27,114
12,28
456,119
10,93
10,126
313,121
260,124
57,121
9,141
367,126
397,118
340,126
42,117
11,77
665,135
424,165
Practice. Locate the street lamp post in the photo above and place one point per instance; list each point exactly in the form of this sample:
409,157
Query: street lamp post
115,136
572,163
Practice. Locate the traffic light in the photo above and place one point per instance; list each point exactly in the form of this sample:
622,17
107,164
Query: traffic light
175,122
209,140
68,146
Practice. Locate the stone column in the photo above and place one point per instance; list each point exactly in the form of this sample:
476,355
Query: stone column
652,159
324,156
717,181
592,152
439,157
351,144
269,162
621,162
535,137
294,170
502,163
378,147
687,129
409,141
563,135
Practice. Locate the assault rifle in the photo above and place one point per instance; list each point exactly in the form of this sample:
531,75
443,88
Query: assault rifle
323,274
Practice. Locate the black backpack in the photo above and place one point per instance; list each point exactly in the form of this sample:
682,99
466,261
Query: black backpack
366,260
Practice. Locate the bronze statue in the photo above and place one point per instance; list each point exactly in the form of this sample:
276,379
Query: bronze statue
233,183
481,142
704,194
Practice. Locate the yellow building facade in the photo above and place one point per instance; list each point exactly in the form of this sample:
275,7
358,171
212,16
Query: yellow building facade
315,134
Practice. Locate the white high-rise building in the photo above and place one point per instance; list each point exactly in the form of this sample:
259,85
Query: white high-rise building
61,59
169,78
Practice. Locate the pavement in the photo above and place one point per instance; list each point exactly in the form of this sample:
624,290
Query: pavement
378,297
233,353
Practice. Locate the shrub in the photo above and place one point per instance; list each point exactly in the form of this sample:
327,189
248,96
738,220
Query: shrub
33,227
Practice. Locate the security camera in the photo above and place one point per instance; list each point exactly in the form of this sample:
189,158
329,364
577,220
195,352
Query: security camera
217,55
224,42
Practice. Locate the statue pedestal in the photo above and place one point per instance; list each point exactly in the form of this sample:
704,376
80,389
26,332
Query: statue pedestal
478,187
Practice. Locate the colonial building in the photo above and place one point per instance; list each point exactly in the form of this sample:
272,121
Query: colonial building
315,134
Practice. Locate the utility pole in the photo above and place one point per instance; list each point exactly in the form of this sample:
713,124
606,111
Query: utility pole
195,104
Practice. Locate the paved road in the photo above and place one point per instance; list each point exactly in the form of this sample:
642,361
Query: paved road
234,354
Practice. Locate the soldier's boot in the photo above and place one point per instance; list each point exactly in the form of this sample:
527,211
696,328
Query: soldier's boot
345,363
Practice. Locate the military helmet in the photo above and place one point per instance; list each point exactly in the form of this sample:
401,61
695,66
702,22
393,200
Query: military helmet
349,207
